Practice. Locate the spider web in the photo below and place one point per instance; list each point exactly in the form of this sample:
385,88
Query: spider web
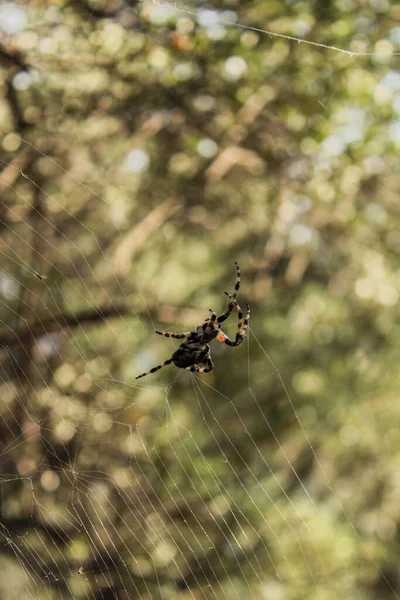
112,488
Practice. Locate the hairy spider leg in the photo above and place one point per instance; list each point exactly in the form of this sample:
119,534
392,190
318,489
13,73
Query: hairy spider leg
237,283
241,328
225,315
213,315
177,336
154,369
228,311
197,369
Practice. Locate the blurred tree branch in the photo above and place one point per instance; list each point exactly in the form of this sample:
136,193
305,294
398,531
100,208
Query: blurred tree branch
13,170
60,323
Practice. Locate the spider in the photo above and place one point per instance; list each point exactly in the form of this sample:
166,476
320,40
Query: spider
195,350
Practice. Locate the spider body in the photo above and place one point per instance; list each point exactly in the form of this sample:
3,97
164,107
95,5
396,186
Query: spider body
189,354
195,350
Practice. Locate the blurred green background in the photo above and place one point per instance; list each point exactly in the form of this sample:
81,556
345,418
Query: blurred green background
144,148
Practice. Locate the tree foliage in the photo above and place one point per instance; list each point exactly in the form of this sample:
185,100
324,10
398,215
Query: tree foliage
145,148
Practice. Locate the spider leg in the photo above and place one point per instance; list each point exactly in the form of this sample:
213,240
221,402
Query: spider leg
154,369
241,328
177,336
228,311
232,297
213,315
237,283
207,369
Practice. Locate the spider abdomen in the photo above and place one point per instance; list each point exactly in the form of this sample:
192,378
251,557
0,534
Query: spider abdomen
189,354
